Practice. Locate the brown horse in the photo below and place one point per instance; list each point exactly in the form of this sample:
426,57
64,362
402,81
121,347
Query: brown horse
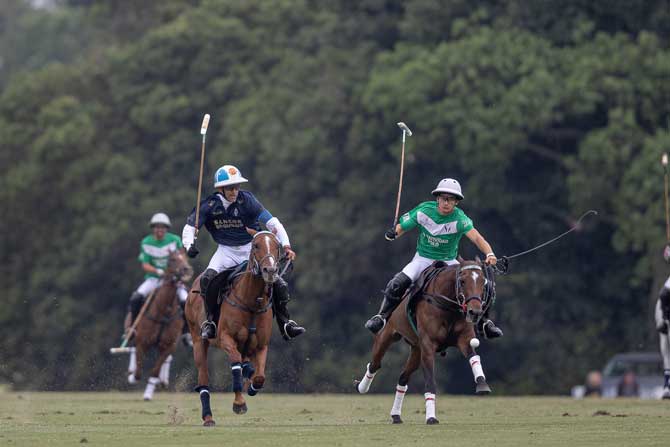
160,325
447,306
244,326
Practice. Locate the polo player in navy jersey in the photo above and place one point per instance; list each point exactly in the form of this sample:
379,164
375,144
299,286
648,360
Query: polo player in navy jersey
227,214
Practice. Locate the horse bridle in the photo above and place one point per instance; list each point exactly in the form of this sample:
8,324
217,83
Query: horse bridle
256,265
460,302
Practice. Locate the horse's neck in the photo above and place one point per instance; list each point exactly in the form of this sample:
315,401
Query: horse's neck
444,283
165,296
249,287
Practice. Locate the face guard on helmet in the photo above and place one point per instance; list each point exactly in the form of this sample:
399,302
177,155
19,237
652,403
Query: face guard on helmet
228,175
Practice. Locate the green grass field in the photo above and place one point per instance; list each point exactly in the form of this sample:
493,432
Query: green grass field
173,419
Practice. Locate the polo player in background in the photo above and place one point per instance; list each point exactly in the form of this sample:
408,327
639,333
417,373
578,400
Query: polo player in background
155,250
227,213
441,225
662,317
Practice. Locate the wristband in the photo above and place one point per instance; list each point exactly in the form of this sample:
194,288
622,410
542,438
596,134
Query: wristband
490,254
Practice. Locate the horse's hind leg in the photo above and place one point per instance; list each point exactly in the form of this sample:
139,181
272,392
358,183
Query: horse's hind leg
428,365
411,365
382,342
136,375
200,348
466,344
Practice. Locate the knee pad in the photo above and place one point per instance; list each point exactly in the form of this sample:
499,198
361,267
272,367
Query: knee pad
280,290
135,303
397,286
205,279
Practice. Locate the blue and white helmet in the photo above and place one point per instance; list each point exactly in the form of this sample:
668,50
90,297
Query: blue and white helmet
228,175
449,186
160,219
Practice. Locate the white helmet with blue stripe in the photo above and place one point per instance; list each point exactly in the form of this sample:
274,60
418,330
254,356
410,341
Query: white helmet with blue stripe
228,175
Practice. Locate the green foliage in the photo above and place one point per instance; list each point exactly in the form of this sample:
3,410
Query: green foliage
540,115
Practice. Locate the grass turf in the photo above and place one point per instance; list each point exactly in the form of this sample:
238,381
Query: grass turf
173,419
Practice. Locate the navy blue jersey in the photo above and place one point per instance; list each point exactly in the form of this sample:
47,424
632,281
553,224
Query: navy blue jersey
228,226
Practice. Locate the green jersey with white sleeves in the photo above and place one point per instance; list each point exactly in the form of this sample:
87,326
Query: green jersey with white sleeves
439,235
156,253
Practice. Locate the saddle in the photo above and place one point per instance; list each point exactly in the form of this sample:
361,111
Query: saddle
415,293
221,285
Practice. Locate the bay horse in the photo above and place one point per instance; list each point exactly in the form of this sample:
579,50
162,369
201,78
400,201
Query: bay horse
244,325
160,326
447,305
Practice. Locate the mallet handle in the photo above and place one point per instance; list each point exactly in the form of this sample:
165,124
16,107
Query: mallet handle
664,161
203,131
405,131
136,322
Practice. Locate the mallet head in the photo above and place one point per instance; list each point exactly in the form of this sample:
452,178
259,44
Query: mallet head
205,123
664,159
404,127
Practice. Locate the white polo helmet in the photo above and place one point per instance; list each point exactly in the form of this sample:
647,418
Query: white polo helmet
449,186
160,219
228,175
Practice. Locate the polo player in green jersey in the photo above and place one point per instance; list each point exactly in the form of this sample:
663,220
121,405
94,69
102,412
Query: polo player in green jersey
155,250
441,225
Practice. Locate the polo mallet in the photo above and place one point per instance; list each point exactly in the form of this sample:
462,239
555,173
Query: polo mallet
664,162
405,131
124,349
203,132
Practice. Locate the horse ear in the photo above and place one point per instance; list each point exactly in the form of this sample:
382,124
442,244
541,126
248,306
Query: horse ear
460,259
478,260
251,231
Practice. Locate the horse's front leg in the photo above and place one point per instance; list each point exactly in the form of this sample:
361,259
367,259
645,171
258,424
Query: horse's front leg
229,345
258,378
155,376
411,365
428,348
382,342
467,343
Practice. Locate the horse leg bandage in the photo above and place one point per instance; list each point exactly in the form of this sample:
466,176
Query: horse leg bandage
164,375
151,387
204,400
247,370
476,365
132,363
400,391
366,381
236,369
430,405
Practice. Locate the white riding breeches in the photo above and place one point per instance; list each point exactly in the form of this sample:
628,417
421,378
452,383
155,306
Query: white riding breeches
229,256
419,264
151,284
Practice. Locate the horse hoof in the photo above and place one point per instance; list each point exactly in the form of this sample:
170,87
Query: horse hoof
209,422
240,409
432,421
396,419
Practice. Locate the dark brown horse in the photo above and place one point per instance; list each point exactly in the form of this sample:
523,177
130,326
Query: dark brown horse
446,308
160,325
244,326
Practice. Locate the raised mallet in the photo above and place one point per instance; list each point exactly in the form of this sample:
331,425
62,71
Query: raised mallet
407,132
203,132
664,162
